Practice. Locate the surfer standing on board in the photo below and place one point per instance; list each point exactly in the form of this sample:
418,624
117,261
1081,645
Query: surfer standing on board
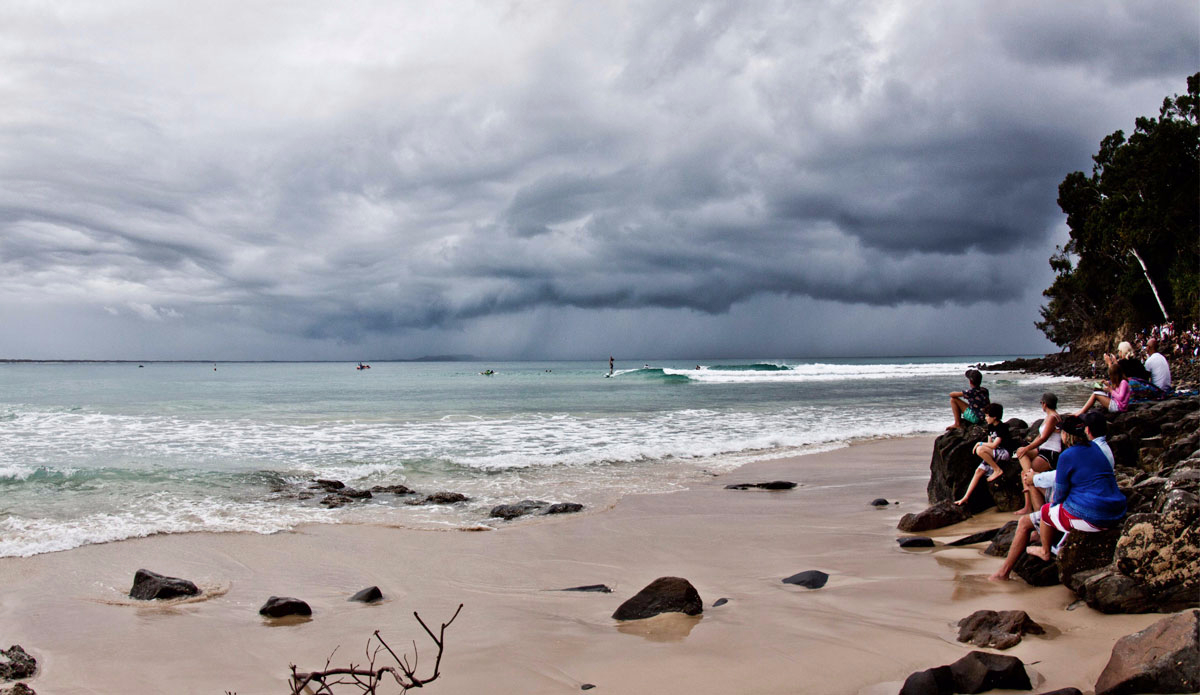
610,365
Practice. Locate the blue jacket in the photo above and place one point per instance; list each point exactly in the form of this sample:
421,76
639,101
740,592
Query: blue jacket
1087,488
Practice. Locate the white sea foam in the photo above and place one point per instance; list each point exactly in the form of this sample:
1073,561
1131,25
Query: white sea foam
23,537
820,372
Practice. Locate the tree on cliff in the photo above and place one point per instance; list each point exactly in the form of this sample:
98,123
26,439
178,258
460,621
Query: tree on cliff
1133,258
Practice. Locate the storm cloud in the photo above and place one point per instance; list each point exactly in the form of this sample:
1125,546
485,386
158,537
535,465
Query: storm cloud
233,180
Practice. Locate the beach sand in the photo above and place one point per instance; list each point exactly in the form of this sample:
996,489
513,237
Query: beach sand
885,612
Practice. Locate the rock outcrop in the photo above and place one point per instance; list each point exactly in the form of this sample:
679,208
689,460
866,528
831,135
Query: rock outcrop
976,672
663,595
953,465
149,585
1163,658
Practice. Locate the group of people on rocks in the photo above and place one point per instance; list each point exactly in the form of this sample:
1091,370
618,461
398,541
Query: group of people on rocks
1067,471
1179,343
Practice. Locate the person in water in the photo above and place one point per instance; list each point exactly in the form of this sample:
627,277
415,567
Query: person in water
610,364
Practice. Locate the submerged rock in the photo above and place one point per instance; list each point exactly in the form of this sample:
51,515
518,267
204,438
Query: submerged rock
564,508
394,489
598,588
509,512
442,498
328,485
149,585
663,595
915,542
371,594
773,485
809,579
280,606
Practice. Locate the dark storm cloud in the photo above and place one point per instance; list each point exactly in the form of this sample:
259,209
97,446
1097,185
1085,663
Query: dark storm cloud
377,170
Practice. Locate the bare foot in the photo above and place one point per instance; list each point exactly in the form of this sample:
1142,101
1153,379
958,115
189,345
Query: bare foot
961,502
953,427
999,577
993,477
1023,512
1039,552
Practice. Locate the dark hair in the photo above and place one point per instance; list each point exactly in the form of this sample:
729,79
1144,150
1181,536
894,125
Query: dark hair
1050,400
1073,425
1095,423
995,410
1115,373
974,377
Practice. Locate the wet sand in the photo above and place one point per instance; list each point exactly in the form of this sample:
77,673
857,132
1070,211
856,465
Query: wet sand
885,612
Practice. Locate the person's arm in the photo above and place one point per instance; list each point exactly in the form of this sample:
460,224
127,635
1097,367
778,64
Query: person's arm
1047,429
956,394
1062,479
1121,394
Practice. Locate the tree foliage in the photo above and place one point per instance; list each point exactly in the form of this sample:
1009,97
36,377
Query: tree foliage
1142,200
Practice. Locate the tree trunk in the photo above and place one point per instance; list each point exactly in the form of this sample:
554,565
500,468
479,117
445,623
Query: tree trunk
1153,288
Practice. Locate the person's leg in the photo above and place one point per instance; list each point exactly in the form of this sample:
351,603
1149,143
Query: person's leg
957,406
1020,541
1046,534
1097,398
971,487
989,457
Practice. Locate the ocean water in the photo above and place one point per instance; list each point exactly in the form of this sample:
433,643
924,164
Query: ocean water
97,452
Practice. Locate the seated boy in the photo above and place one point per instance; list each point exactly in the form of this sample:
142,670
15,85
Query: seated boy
997,448
968,405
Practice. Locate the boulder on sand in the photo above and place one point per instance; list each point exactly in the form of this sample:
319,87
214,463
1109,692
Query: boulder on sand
997,629
280,606
371,594
149,585
16,663
663,595
1163,658
809,579
939,515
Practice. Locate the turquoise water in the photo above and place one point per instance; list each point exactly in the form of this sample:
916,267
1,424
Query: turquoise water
94,452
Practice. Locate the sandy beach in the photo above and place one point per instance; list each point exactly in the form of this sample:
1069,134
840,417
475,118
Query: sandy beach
885,612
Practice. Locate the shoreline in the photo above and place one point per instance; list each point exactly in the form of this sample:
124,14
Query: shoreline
885,612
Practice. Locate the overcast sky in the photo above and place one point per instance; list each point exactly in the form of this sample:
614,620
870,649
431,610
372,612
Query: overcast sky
365,180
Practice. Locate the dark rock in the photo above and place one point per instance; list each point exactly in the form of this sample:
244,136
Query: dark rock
1163,658
599,588
17,689
1162,550
1003,540
445,498
371,594
663,595
280,606
394,489
939,515
915,542
509,512
809,579
720,602
334,500
304,495
998,630
16,663
981,537
148,585
1036,571
355,494
564,508
329,485
1063,691
586,686
933,681
773,485
879,502
1081,552
953,465
980,671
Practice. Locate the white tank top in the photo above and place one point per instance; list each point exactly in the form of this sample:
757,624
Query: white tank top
1053,442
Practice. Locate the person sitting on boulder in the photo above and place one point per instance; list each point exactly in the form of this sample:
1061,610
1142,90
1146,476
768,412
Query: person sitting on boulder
968,405
1131,367
1086,498
1156,364
1096,429
1041,454
1115,397
997,448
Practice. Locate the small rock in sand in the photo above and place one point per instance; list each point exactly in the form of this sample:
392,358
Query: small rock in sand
280,606
809,579
915,542
371,594
773,485
148,586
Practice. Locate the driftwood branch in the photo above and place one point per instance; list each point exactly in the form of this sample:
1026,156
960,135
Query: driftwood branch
369,678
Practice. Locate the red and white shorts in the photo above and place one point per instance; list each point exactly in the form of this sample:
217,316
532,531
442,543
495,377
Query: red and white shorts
1061,519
